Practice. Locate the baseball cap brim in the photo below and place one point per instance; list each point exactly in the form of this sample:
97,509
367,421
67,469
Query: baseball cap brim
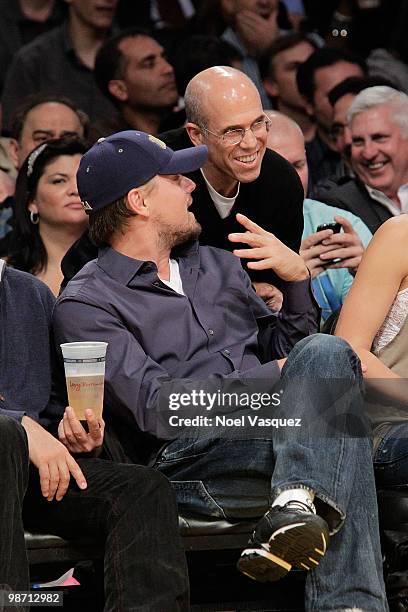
186,160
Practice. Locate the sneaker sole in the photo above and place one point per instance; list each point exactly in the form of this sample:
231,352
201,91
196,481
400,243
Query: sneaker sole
301,545
262,566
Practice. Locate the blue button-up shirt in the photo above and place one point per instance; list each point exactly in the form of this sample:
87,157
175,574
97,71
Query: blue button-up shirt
156,335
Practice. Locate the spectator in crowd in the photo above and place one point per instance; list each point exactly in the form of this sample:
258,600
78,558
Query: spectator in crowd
129,508
332,258
21,21
374,321
49,216
153,274
43,117
379,156
324,69
62,61
280,67
341,98
132,71
224,112
40,118
254,27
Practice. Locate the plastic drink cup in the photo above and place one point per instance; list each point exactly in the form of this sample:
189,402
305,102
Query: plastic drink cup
84,364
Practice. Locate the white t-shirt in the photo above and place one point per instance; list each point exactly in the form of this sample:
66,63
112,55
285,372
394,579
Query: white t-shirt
222,203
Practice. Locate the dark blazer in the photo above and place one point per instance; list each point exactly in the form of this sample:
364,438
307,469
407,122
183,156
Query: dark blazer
274,201
351,194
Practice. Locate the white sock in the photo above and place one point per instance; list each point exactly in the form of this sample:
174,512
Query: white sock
301,495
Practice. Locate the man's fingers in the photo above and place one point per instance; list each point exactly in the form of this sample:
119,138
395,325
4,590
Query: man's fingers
64,478
93,425
344,240
315,239
255,253
76,472
54,478
73,427
346,253
61,432
250,225
44,479
346,225
263,264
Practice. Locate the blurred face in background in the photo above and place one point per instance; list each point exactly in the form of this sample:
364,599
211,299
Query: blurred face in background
325,79
148,79
282,83
340,129
56,199
96,14
48,121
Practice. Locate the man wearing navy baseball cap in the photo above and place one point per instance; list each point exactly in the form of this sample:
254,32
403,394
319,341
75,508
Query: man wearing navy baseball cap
179,317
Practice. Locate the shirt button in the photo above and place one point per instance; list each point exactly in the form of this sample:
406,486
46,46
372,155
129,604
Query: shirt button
211,332
227,352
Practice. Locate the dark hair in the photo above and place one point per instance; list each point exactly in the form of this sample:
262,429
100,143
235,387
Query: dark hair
109,220
199,52
23,246
283,43
322,58
19,116
110,63
353,85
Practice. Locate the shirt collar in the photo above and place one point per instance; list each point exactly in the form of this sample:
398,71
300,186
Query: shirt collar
383,199
123,268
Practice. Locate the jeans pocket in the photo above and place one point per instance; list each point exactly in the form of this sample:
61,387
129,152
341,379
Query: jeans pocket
193,498
183,449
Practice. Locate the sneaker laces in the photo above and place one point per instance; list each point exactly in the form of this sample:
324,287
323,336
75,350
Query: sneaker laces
300,506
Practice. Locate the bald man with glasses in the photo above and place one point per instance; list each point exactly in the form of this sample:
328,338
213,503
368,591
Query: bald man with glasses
224,112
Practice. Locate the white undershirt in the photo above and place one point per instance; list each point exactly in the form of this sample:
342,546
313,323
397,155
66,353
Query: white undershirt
394,209
175,279
222,203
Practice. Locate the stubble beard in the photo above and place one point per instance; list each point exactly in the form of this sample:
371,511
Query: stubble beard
169,237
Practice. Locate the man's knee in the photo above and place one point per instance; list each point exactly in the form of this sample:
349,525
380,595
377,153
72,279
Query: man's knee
325,356
12,437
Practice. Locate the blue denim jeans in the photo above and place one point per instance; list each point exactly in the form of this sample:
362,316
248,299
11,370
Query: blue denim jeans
239,478
129,508
391,457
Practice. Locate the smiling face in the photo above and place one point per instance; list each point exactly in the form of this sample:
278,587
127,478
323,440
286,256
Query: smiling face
56,199
227,105
379,150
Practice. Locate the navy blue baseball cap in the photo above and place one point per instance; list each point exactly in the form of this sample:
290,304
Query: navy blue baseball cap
123,161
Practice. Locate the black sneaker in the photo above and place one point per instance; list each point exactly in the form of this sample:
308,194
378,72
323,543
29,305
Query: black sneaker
292,535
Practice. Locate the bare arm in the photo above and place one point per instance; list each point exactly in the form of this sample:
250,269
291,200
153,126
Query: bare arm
381,274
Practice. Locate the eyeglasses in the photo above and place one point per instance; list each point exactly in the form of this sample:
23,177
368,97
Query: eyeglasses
236,136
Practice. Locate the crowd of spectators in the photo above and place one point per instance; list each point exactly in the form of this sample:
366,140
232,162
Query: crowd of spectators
303,110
